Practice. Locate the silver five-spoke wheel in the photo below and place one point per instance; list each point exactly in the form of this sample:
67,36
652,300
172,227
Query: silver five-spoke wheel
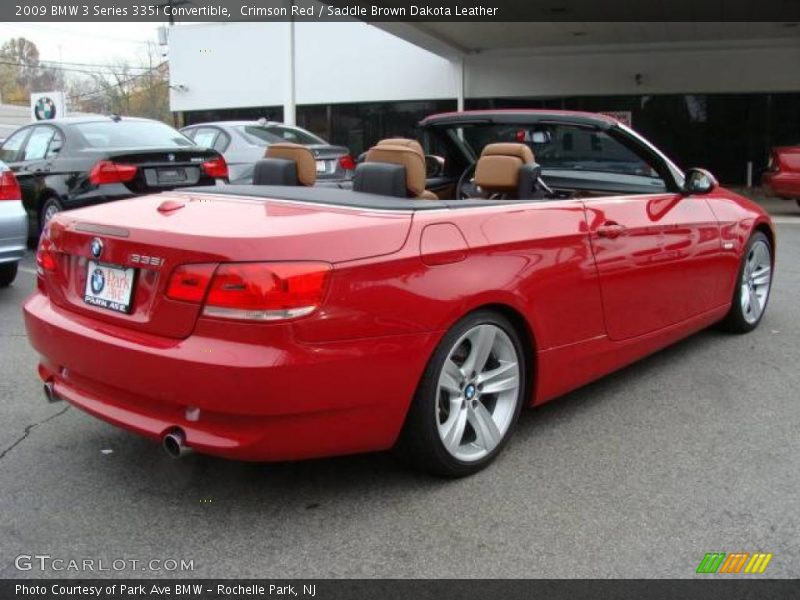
478,392
755,283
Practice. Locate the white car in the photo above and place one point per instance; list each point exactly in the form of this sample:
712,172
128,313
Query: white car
13,226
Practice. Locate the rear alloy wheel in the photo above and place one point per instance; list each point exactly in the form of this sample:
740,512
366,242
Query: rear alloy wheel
8,272
752,289
50,208
469,398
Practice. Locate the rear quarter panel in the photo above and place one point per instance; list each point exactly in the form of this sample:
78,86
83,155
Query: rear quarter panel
533,258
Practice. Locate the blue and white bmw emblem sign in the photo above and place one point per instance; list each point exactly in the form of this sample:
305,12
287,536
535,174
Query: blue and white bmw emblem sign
98,281
171,157
97,247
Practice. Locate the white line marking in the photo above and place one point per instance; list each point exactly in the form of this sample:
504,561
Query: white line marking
26,270
786,220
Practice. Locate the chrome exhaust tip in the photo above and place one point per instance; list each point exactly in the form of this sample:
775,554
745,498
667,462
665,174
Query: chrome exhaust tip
174,444
50,392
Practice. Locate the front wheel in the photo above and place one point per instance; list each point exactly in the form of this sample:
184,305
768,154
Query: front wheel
8,272
754,282
469,397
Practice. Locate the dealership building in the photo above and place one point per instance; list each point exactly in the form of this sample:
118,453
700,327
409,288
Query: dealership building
716,95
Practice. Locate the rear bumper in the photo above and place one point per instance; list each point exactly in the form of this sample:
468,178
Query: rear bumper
13,230
278,400
783,184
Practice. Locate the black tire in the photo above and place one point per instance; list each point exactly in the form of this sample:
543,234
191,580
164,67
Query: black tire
420,442
8,272
735,320
51,204
798,201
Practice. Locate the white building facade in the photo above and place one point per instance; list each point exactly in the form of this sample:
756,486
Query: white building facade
733,88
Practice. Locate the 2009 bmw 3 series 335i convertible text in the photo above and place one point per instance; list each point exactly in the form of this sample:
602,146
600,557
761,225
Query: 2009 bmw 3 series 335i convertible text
530,253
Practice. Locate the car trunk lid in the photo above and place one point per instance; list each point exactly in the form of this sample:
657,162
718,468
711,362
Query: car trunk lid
147,237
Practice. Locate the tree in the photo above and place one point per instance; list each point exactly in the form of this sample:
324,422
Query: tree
21,72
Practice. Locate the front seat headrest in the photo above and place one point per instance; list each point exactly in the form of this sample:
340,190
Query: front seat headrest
498,168
408,143
275,171
411,160
380,178
304,160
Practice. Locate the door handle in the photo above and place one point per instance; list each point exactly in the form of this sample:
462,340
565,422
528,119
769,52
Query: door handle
611,230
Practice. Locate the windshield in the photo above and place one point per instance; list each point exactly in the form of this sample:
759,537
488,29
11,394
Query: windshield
261,135
563,146
131,134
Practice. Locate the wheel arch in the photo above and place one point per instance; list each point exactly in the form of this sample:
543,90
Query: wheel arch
767,230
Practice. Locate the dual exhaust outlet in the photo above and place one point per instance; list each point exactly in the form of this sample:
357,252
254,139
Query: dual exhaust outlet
173,442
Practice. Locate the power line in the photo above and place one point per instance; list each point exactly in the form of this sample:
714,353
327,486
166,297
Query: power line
100,69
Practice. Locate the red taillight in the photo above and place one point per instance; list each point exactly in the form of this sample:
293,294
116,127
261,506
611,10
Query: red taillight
252,291
46,260
9,186
110,172
216,168
347,162
190,282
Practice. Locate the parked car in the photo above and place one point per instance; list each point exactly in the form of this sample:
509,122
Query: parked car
242,143
13,226
276,322
782,178
79,161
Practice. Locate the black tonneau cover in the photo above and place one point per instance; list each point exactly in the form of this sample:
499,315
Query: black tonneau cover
338,197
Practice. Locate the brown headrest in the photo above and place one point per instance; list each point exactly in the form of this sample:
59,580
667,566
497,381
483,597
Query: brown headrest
413,161
302,157
408,143
498,167
523,152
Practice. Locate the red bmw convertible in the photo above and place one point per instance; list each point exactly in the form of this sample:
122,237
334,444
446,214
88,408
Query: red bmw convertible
529,253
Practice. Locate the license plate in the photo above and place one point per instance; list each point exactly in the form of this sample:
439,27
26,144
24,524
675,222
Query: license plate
109,287
171,175
320,166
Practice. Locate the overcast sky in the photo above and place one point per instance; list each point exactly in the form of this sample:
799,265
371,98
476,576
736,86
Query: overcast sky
96,43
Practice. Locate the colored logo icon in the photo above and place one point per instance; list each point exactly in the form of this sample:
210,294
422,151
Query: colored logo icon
44,109
735,562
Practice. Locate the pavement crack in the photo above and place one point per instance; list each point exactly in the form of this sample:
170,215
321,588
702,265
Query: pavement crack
29,429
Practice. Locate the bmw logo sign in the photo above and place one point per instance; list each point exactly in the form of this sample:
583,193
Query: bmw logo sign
44,109
171,157
97,247
98,281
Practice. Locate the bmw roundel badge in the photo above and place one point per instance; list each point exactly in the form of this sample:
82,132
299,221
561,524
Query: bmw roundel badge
97,247
98,281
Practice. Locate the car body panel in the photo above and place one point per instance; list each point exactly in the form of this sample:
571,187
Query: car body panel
341,379
783,177
13,230
13,225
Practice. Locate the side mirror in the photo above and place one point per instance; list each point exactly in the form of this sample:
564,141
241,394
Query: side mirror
699,181
434,166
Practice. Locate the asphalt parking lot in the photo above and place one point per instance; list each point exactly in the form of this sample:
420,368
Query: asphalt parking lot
695,449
